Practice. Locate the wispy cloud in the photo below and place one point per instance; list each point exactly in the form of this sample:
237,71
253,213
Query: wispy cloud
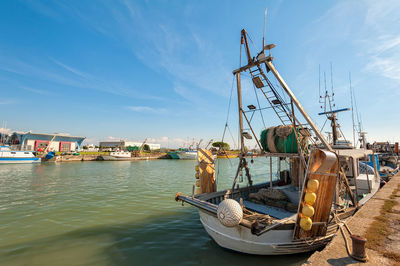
43,9
6,101
374,31
37,91
71,77
147,109
72,70
169,142
177,49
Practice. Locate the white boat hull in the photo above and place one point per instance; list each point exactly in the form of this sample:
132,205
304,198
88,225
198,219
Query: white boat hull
187,155
273,242
9,156
113,158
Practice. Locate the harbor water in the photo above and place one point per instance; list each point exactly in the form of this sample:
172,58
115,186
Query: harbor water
113,213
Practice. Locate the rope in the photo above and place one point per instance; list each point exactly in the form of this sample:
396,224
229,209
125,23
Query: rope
323,125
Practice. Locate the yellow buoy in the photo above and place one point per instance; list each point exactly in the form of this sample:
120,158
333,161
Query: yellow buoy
196,168
310,198
197,175
312,185
307,210
305,223
198,190
197,183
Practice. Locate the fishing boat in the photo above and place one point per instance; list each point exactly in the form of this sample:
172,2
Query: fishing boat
9,156
117,156
187,154
303,210
173,155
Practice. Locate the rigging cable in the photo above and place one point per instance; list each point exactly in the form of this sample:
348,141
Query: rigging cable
226,123
323,125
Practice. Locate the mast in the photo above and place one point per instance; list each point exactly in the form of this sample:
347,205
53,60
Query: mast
334,128
242,157
239,94
244,37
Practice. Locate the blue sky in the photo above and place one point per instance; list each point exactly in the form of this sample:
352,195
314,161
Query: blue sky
163,69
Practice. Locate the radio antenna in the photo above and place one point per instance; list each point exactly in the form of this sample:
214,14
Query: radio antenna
352,111
333,94
319,84
265,16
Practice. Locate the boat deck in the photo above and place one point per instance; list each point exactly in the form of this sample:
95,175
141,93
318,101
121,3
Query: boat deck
265,209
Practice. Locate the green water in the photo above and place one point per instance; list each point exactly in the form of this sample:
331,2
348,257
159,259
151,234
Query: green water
111,213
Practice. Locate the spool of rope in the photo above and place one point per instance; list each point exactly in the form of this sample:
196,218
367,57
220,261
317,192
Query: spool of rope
229,212
283,131
271,140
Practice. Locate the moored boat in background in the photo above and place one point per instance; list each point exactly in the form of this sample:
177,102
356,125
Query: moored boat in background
187,154
9,156
117,156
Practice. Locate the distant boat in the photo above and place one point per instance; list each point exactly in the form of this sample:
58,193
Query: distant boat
9,156
183,154
187,154
117,156
173,155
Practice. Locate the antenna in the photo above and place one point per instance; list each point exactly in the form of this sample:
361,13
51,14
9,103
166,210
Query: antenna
352,111
263,44
333,94
319,83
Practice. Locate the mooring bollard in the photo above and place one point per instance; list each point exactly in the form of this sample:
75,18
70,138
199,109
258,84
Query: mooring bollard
358,243
359,247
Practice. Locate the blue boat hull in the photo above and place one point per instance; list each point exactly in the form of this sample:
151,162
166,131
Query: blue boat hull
19,160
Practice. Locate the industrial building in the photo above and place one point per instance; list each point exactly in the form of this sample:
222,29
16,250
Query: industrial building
123,145
39,141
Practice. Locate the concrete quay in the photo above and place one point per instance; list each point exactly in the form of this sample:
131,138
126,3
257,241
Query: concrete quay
379,221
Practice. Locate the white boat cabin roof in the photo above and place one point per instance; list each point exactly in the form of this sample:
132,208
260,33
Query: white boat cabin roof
355,153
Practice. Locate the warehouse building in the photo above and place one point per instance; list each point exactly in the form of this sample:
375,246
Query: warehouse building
123,145
39,141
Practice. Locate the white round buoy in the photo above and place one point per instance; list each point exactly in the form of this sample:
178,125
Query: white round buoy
229,212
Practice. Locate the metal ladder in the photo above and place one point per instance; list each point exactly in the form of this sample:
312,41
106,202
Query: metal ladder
280,107
276,102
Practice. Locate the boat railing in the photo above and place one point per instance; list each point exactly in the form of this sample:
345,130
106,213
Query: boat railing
217,197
